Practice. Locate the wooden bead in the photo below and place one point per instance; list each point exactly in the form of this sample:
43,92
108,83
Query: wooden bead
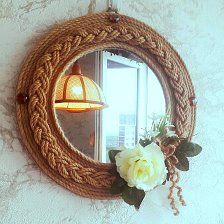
193,101
22,98
114,17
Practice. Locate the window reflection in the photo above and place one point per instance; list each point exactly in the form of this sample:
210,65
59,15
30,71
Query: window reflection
132,92
120,116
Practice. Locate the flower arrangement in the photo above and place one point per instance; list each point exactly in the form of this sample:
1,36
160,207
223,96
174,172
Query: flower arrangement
152,162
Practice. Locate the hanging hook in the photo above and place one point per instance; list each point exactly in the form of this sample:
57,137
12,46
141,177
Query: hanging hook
114,17
112,6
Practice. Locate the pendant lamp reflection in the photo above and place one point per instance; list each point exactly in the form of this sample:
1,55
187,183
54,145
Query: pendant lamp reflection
77,93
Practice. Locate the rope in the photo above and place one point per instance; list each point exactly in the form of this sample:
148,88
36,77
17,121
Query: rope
174,179
113,5
48,147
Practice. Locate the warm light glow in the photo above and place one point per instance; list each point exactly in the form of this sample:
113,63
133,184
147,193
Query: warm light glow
77,90
78,93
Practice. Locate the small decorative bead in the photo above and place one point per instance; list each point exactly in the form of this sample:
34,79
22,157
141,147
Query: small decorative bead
193,101
22,98
114,17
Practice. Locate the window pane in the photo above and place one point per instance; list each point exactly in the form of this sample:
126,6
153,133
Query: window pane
156,100
120,88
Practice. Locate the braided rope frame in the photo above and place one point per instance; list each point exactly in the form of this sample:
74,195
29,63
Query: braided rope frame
40,131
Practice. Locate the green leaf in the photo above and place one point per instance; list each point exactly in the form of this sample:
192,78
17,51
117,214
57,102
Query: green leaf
162,124
112,154
144,142
183,163
140,197
133,196
118,185
189,149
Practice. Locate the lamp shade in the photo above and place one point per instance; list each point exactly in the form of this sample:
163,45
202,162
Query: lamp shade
78,93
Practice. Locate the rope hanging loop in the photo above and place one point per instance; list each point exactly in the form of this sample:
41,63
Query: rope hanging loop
113,6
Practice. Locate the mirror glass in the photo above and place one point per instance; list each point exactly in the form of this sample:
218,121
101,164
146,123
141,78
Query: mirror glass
105,100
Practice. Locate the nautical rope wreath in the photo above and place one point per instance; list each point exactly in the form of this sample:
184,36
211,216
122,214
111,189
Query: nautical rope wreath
40,131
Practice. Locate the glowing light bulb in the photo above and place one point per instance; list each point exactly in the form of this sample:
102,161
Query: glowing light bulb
77,90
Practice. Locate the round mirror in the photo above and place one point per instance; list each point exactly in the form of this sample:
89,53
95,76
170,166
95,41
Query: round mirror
105,100
101,102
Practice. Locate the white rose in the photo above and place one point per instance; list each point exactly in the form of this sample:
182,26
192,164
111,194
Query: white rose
143,168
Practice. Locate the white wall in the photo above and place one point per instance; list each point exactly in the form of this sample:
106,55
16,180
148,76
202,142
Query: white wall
196,29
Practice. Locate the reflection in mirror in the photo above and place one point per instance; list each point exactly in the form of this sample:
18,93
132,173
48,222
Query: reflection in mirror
105,100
